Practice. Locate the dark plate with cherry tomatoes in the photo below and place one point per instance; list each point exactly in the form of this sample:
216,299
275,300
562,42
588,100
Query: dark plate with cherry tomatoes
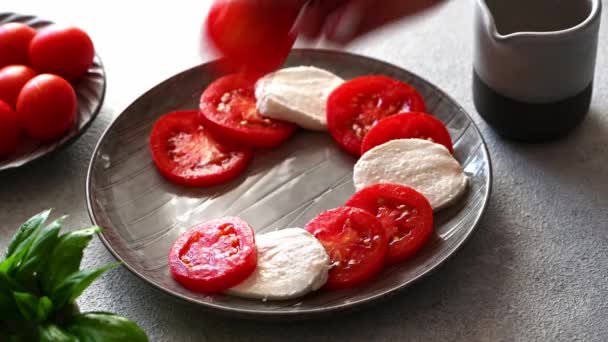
76,96
150,182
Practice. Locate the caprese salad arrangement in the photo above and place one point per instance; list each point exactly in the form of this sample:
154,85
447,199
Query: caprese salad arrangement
37,73
405,171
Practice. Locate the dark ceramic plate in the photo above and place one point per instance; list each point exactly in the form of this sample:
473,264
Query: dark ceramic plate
285,187
90,92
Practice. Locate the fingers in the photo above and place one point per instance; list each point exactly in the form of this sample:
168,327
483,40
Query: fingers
358,17
394,10
314,15
345,23
341,21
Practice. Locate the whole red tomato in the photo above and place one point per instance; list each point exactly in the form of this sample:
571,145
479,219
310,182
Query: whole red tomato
15,39
12,79
67,52
9,130
46,107
253,35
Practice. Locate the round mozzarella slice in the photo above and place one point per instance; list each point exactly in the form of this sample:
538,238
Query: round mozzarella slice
291,263
297,95
420,164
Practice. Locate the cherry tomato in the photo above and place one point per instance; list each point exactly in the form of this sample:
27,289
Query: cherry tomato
10,131
15,40
46,107
252,35
355,242
12,80
214,256
405,214
407,126
228,106
359,104
186,153
67,52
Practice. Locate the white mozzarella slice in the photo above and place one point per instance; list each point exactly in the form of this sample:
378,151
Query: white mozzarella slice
420,164
291,263
297,95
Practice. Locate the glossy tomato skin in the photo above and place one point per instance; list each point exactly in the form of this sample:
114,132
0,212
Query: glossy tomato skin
254,36
228,106
187,153
46,107
405,215
15,40
355,242
10,131
12,80
214,256
407,126
64,51
357,105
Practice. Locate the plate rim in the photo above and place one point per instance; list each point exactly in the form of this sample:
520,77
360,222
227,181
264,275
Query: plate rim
253,313
94,114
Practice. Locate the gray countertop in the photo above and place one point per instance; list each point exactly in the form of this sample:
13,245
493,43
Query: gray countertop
535,269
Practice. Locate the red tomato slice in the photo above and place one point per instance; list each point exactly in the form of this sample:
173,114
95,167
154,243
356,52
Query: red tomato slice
12,80
252,35
46,107
228,106
359,104
15,40
214,256
186,152
407,126
355,242
405,214
10,132
64,51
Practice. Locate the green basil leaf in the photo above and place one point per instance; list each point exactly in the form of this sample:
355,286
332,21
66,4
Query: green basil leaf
6,264
38,254
26,230
22,242
52,333
45,306
27,304
71,287
105,327
66,257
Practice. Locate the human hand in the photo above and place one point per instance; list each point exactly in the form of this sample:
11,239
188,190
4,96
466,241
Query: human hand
260,33
341,21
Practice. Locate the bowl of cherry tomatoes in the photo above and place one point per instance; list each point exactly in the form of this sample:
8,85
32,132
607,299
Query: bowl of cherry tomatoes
52,86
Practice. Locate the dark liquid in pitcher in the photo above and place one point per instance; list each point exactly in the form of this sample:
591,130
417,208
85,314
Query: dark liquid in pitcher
530,121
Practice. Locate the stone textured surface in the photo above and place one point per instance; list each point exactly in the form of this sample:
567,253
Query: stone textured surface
536,269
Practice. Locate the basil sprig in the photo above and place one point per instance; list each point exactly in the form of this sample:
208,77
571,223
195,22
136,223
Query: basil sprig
40,279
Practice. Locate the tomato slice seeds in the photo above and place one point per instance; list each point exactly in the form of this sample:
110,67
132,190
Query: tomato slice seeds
356,244
405,214
187,153
359,104
214,256
408,126
228,106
